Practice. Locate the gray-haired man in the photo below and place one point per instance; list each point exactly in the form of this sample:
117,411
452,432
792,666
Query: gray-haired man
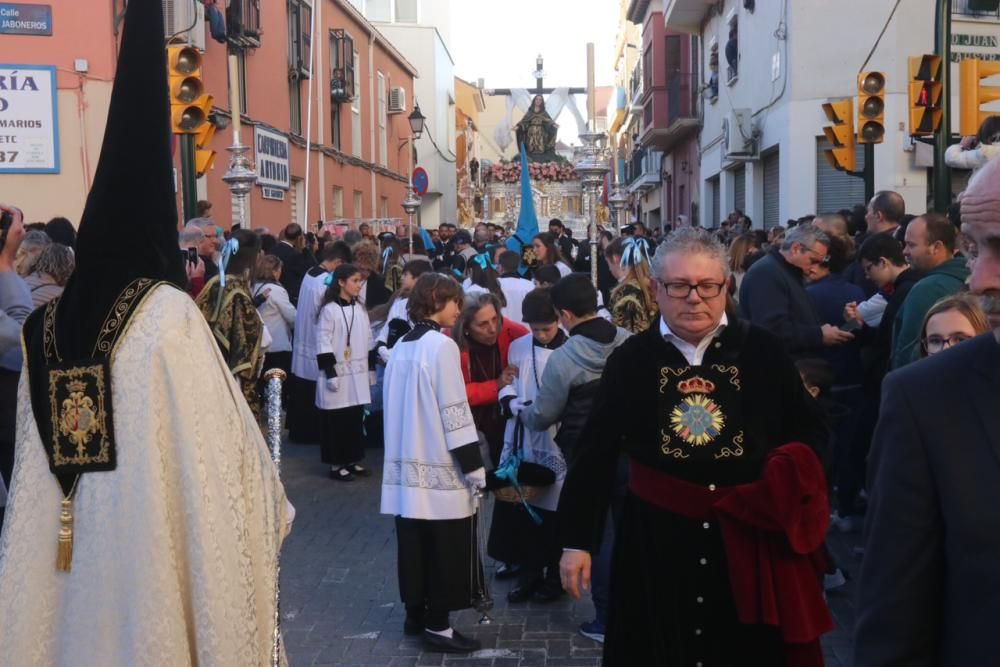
773,294
701,405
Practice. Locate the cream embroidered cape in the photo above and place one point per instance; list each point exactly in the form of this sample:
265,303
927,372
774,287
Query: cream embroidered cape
174,552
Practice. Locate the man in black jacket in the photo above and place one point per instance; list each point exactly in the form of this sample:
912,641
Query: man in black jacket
773,295
930,585
294,260
882,260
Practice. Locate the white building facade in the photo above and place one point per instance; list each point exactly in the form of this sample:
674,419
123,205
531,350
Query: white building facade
419,30
762,127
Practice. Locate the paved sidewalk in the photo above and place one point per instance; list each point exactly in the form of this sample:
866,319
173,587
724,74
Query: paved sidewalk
340,602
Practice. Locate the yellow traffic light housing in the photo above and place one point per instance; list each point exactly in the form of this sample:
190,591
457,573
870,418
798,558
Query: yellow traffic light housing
203,155
840,134
871,108
974,95
186,89
924,93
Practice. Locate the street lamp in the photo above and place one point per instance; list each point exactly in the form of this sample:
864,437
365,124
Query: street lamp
416,121
412,202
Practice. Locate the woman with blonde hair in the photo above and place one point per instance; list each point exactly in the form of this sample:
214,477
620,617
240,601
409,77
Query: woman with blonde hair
950,321
742,245
632,303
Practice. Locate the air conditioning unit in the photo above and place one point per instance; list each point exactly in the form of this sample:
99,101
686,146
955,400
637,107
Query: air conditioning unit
737,134
184,22
397,100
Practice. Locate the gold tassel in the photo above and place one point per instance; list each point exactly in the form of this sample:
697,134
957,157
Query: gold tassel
65,556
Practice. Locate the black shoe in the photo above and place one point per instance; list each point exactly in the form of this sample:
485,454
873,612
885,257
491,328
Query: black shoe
548,591
413,625
506,571
342,475
458,643
358,470
523,591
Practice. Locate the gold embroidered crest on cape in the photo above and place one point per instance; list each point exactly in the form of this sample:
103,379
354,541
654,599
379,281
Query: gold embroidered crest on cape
81,431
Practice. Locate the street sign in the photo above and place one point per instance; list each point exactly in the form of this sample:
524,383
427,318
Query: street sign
420,181
21,19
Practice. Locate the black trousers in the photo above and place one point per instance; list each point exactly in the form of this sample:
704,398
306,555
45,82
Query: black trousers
342,440
439,566
8,424
302,414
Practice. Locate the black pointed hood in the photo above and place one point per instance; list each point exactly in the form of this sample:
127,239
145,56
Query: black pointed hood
128,229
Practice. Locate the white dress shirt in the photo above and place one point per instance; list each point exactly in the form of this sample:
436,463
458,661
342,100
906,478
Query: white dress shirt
693,353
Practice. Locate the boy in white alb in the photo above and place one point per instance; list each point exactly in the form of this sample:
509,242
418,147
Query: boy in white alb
514,536
432,470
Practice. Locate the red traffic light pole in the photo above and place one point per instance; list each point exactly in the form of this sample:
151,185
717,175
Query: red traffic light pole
942,48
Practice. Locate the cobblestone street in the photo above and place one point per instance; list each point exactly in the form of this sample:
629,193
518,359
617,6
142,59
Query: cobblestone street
340,603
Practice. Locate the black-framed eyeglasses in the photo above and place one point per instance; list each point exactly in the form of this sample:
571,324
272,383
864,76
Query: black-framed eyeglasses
934,344
706,290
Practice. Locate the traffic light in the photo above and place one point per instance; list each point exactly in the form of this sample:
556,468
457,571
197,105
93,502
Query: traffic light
925,95
871,107
974,95
840,134
187,91
203,155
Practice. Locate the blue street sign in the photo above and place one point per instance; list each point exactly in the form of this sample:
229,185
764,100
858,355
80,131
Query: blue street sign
21,19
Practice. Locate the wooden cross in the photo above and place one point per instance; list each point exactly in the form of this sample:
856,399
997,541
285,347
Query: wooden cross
539,89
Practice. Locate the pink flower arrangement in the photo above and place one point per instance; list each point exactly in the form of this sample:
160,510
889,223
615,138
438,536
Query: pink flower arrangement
547,172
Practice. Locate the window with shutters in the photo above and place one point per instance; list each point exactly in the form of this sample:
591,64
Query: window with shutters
359,198
342,73
338,201
407,11
355,113
243,23
299,40
383,110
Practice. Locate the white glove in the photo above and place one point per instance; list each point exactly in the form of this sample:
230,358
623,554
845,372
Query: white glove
517,406
289,516
383,354
332,384
477,478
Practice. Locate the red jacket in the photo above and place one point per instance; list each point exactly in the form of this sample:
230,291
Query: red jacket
485,393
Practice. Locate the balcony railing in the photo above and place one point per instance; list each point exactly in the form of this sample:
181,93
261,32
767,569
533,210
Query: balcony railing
682,97
635,87
243,23
642,171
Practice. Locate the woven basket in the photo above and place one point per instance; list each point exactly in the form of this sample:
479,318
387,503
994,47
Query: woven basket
508,494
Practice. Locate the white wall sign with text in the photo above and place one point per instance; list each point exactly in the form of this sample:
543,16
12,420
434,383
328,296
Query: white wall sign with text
29,126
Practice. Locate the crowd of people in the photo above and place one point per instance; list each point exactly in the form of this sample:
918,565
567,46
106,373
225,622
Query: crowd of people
480,368
668,439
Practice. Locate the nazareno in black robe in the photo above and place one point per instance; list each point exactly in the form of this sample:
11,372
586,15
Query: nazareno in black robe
671,602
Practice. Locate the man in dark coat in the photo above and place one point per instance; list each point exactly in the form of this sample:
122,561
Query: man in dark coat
930,585
294,260
773,296
699,404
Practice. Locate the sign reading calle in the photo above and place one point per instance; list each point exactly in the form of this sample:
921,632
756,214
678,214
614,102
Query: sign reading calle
21,19
271,148
29,129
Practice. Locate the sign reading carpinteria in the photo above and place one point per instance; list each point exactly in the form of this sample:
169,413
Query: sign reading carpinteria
29,128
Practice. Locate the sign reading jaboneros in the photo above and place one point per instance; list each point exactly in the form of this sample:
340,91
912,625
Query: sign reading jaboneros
29,128
272,158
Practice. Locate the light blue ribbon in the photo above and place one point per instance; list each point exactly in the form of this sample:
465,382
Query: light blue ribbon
386,254
635,252
483,260
508,471
231,247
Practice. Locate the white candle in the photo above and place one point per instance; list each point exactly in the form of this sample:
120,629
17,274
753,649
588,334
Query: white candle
234,97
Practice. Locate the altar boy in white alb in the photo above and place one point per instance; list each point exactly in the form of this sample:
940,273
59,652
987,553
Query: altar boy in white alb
432,468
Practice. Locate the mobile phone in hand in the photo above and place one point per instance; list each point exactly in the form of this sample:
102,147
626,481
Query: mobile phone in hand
192,255
850,325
